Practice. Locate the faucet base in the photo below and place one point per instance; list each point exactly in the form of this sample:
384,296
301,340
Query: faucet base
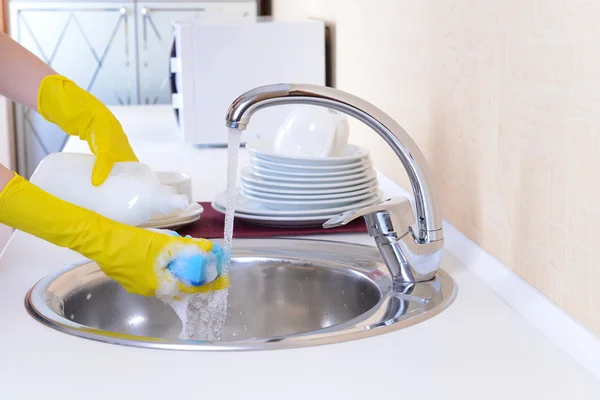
408,261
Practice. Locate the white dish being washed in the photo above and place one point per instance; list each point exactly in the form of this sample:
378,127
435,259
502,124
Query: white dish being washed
181,182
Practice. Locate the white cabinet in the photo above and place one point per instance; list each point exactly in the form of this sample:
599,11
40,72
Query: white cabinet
155,33
119,51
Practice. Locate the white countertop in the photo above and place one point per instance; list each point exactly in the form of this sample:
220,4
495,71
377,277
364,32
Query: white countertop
479,348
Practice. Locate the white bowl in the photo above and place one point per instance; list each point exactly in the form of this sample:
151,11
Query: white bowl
181,182
312,131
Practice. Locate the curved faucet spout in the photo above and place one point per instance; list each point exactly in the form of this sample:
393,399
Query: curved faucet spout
428,219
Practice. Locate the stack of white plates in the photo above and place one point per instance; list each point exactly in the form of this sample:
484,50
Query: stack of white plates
279,190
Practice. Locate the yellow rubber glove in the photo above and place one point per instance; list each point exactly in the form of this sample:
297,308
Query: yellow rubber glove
79,113
134,257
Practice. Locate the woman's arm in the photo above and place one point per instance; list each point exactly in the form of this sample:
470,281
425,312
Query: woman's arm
21,72
26,79
136,258
5,176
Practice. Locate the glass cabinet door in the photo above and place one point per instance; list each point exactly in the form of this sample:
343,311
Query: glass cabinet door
91,43
155,39
119,51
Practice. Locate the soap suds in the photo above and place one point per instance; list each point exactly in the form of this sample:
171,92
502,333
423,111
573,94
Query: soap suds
202,315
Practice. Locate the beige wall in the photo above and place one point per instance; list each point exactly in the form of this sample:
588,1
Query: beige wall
503,97
3,15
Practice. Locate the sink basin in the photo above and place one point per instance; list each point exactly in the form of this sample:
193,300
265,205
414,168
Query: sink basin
284,293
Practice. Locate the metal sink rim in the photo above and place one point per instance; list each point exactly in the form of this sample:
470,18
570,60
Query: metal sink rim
363,326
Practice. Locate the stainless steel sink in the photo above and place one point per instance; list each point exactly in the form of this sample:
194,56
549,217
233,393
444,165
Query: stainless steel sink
284,293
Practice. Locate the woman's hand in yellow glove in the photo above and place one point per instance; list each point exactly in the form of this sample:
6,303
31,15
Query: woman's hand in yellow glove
79,113
134,257
26,79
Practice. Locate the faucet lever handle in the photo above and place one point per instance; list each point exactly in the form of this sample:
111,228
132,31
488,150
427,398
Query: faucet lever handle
394,215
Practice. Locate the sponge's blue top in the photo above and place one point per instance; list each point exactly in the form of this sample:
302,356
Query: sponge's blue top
197,269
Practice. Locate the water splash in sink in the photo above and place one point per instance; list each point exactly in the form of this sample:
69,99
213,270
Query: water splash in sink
203,315
206,312
206,316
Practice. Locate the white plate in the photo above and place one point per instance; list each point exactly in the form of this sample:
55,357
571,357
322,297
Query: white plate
295,191
306,169
310,179
193,210
249,206
278,196
280,222
309,204
191,214
264,150
248,177
310,174
173,224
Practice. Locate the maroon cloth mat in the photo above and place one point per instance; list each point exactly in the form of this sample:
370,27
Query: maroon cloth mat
211,225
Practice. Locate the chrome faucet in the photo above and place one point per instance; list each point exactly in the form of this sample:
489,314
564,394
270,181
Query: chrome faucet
411,248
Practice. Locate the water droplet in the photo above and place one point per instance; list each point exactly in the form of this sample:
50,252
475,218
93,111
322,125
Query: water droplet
345,306
89,296
72,316
343,292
